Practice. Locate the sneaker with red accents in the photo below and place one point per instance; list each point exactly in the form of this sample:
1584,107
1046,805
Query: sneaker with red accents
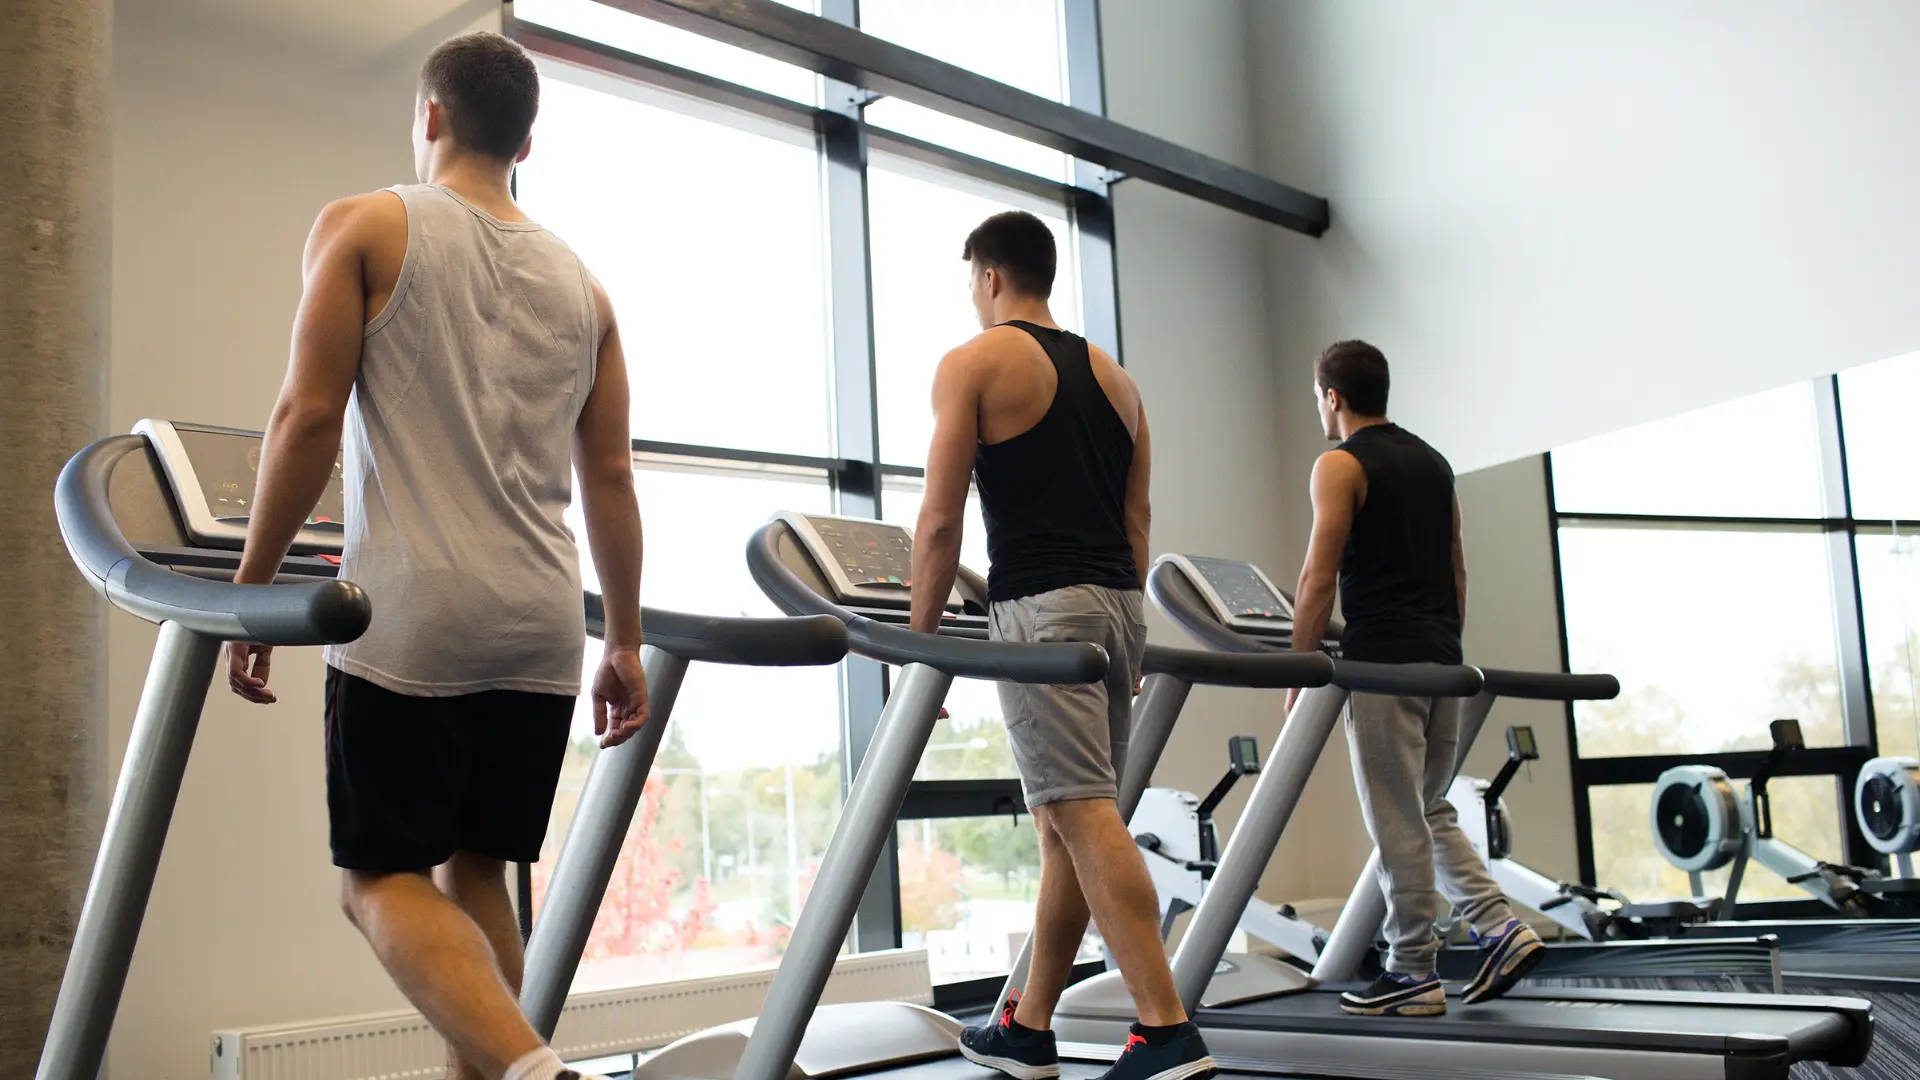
1183,1057
1019,1052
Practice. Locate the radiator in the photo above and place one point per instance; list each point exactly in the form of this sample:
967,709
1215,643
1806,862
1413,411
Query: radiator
604,1023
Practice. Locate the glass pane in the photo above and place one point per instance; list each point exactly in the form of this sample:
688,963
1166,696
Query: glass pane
602,169
681,48
1636,602
1017,42
921,305
746,788
967,891
1806,814
1876,404
971,743
1755,457
1890,607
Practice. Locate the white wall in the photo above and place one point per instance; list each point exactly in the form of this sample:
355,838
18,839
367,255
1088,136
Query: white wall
234,123
1563,219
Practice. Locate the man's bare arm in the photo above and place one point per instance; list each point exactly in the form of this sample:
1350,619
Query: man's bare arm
1459,563
303,435
1139,498
943,507
1337,490
603,456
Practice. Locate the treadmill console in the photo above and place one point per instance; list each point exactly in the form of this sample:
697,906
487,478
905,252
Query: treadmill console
211,471
869,563
1239,594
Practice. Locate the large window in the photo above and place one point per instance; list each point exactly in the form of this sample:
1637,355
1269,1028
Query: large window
922,306
1733,566
780,301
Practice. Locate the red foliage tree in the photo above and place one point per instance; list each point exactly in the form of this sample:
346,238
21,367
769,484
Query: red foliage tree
636,914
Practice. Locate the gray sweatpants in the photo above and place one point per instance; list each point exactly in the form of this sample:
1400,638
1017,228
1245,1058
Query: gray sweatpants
1404,752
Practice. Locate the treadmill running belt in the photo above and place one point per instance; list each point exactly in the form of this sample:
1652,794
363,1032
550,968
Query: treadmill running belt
959,1068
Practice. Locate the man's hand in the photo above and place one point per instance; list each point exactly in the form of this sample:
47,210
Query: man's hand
619,697
248,666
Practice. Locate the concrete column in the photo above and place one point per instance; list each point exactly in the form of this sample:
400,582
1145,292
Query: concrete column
55,211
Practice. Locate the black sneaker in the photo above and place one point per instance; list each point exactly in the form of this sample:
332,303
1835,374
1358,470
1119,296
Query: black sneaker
1028,1056
1398,995
1185,1057
1505,959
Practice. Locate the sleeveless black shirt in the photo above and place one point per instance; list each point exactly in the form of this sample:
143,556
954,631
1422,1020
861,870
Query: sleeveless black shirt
1054,497
1397,591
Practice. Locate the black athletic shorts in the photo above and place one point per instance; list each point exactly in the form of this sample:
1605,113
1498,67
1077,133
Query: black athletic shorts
411,780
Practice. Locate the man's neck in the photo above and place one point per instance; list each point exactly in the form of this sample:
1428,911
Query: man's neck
1033,311
481,181
1347,423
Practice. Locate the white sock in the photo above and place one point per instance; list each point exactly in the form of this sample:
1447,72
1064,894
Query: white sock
541,1064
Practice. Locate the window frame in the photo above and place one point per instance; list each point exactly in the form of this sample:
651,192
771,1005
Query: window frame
1843,763
854,472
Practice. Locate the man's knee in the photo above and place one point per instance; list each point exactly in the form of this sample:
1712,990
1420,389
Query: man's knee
469,874
1075,820
359,888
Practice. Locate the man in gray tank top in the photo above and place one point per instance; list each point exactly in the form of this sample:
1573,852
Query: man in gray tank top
473,367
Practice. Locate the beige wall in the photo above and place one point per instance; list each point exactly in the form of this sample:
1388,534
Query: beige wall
234,123
1194,331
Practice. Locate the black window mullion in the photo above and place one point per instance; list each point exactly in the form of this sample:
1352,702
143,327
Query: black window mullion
863,682
1090,208
1582,801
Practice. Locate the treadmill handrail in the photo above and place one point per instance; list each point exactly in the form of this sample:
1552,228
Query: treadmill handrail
1407,680
967,658
717,639
1548,685
309,613
1266,671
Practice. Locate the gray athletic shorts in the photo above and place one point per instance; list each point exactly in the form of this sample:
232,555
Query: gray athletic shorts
1070,742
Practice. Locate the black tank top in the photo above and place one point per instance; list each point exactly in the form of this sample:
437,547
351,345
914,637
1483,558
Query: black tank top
1055,496
1397,591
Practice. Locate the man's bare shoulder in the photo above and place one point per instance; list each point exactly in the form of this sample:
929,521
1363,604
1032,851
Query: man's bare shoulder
371,223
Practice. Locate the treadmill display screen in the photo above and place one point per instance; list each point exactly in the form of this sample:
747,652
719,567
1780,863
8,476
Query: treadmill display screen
228,464
870,553
1242,590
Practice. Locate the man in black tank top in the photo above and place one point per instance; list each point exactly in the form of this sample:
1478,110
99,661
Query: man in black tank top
1054,434
1385,518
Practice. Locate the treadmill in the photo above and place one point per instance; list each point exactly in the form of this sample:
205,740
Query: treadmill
155,520
861,572
1625,1034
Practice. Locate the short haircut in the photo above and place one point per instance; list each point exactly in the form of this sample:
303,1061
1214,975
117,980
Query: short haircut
489,88
1359,372
1018,245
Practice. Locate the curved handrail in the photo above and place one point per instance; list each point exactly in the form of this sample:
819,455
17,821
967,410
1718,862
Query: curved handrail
1266,671
1407,680
1549,685
971,658
306,613
720,639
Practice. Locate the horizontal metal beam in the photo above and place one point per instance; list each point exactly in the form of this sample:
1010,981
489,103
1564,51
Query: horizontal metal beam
844,53
1738,764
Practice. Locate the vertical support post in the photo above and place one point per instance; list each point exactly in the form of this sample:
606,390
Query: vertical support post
1253,841
1857,719
56,216
600,823
143,802
865,824
1154,713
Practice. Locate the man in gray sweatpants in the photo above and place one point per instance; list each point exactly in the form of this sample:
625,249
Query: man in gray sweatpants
1386,521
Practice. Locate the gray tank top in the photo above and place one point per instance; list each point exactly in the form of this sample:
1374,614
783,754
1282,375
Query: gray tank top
459,440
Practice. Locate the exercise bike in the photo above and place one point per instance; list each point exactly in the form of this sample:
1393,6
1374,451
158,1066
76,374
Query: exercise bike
1174,830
